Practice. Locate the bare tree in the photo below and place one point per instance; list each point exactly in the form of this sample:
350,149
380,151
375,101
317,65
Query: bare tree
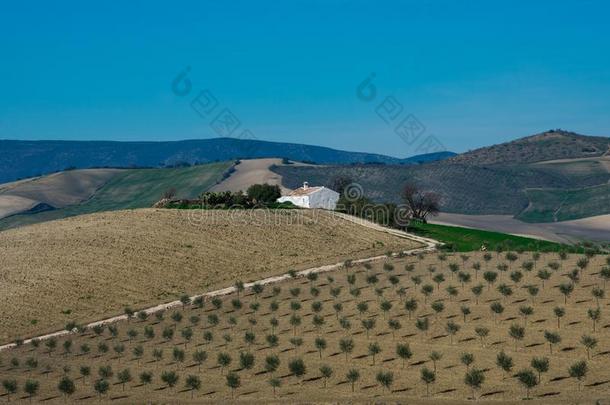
421,203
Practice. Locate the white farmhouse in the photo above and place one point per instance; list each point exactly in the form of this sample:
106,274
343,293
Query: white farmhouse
312,197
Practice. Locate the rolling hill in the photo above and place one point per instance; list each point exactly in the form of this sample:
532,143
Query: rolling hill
87,267
549,145
122,189
493,181
22,159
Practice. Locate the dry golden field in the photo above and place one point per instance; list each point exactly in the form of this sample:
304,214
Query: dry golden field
240,331
89,267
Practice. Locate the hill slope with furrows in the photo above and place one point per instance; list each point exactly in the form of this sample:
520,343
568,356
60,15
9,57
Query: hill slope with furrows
91,266
549,145
465,189
123,189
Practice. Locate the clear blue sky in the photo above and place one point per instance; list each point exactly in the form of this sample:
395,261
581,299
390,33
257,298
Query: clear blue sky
474,73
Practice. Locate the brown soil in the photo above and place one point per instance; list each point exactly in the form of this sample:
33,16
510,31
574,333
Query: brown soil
90,267
556,385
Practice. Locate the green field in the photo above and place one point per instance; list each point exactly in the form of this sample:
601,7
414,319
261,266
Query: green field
467,239
135,188
562,205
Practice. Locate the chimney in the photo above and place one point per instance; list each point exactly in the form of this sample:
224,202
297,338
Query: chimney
305,185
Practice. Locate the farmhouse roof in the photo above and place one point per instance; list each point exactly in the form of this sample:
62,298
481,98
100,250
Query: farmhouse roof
304,191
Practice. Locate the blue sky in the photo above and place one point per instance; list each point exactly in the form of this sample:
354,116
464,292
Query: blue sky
473,73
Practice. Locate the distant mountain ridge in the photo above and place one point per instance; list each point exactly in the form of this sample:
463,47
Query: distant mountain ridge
22,159
550,145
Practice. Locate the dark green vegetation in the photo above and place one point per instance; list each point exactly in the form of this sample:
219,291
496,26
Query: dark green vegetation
135,188
21,159
466,239
469,187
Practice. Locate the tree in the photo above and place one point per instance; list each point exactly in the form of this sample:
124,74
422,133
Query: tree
10,386
428,377
426,290
589,342
346,346
435,357
326,372
474,379
517,333
598,294
422,324
223,359
31,388
490,277
138,352
559,313
437,307
85,371
297,368
553,338
178,355
421,204
105,372
505,362
193,383
246,360
146,378
477,290
275,383
385,379
527,378
595,315
497,309
263,194
411,306
452,328
124,377
353,376
101,386
66,386
578,371
320,344
272,362
525,312
481,332
233,382
541,365
543,275
170,378
368,324
199,356
374,349
566,289
465,310
467,359
187,335
404,352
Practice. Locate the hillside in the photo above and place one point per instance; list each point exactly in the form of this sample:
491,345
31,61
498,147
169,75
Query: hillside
21,159
57,190
549,145
86,267
465,189
124,189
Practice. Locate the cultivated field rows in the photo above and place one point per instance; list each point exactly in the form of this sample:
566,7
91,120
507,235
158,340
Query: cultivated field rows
349,323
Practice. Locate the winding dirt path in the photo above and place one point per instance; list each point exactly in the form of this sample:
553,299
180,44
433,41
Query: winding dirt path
429,246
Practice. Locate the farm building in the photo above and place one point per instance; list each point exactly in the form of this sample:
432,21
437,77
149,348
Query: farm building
312,197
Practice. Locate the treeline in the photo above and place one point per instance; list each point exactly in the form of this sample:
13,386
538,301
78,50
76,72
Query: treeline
256,196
